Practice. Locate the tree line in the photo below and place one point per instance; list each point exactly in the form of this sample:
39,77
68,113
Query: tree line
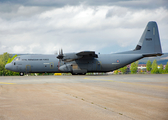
4,59
151,67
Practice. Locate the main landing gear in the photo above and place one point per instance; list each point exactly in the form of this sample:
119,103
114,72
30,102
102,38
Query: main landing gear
78,73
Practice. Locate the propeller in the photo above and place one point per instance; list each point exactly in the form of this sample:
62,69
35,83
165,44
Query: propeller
61,55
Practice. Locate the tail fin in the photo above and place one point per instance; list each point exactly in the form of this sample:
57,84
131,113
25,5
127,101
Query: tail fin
149,44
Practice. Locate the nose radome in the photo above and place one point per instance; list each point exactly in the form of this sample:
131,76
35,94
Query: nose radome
8,66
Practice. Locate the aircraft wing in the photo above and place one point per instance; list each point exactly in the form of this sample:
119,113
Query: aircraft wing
76,56
87,54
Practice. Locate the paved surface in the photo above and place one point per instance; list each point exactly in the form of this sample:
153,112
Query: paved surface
98,97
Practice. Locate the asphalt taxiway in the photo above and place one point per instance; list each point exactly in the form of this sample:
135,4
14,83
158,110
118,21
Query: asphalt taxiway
93,97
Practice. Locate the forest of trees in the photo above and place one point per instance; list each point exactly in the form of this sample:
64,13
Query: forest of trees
150,67
4,59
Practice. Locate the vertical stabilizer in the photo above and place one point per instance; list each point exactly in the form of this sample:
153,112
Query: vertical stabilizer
149,44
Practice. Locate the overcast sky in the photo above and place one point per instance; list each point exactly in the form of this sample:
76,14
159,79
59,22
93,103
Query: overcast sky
105,26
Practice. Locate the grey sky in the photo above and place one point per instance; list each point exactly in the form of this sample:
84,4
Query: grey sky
106,26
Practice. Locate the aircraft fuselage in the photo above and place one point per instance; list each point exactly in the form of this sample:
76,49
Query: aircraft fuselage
50,63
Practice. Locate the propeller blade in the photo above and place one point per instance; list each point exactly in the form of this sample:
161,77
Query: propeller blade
61,51
60,56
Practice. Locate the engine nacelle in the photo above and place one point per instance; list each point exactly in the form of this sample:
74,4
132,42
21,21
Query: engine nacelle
65,68
68,57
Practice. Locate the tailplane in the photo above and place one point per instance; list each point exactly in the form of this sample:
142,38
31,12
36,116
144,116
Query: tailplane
149,44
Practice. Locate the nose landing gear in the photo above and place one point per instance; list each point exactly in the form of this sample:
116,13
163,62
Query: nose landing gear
21,73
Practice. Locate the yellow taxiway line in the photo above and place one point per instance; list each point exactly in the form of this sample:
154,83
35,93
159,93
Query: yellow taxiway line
6,83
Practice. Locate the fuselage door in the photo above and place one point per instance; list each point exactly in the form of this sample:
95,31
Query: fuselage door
51,65
98,65
28,68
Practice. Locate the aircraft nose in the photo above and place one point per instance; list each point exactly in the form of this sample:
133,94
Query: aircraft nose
8,66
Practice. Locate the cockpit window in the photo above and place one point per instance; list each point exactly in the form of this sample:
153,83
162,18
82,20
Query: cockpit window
17,59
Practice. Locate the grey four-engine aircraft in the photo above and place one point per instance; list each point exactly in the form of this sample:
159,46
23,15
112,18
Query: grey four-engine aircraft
88,61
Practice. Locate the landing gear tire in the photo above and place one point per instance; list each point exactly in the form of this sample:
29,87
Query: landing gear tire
21,73
78,73
81,73
74,73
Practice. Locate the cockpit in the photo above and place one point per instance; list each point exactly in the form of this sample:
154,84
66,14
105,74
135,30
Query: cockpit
16,59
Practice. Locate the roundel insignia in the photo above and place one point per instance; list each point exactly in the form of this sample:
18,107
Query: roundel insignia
118,61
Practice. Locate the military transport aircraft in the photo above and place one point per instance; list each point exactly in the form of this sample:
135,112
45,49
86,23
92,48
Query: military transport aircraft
88,61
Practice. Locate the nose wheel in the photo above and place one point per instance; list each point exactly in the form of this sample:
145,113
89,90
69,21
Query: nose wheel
21,73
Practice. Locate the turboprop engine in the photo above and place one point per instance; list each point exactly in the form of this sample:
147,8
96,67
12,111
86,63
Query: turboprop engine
68,57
